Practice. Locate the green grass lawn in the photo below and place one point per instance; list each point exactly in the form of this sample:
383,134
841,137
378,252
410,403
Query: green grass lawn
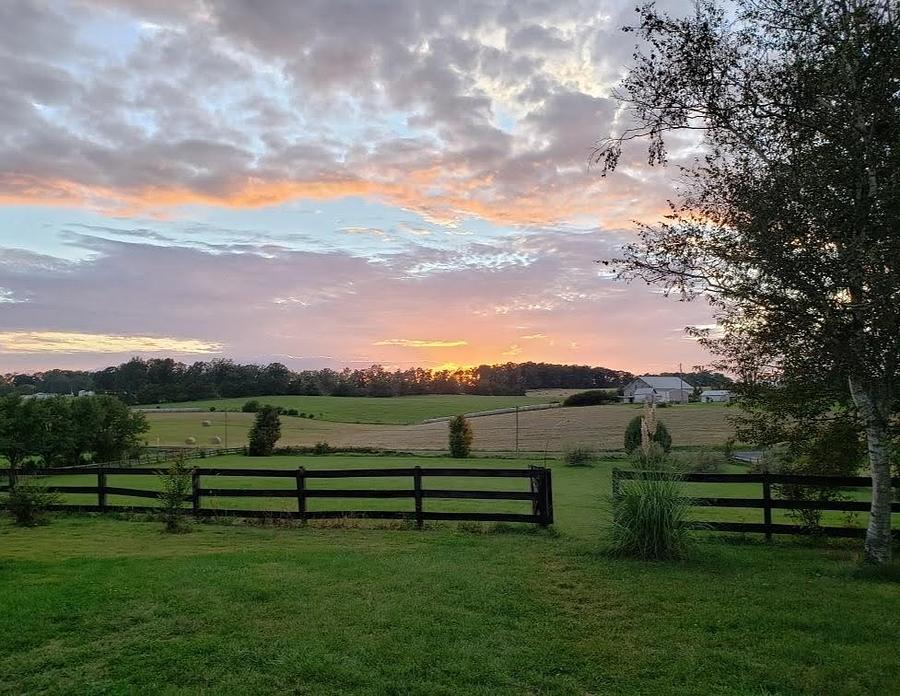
367,409
98,605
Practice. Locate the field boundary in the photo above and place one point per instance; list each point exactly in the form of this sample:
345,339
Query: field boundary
540,492
496,412
767,502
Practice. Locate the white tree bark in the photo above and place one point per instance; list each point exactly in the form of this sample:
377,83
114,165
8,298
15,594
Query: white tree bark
874,411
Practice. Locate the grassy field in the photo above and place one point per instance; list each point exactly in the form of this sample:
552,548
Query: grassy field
366,409
92,605
601,427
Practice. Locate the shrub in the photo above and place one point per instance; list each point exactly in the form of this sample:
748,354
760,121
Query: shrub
251,406
28,501
633,435
265,432
650,519
701,461
292,412
212,408
593,397
176,486
461,437
836,450
321,448
578,455
654,458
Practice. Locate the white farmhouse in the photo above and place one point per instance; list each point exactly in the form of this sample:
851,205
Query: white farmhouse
660,390
715,396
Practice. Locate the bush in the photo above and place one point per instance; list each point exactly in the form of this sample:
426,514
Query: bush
28,501
633,435
212,408
461,437
701,461
265,432
176,486
292,412
836,450
650,520
578,455
251,406
593,397
321,448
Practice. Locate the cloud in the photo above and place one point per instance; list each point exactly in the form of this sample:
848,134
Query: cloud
419,343
338,304
488,109
69,342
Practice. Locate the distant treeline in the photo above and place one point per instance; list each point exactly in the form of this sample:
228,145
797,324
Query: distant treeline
164,380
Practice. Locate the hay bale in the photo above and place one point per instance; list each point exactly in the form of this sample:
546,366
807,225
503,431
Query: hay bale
207,423
191,441
216,440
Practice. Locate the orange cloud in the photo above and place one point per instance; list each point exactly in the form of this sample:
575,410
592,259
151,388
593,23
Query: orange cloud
419,343
437,194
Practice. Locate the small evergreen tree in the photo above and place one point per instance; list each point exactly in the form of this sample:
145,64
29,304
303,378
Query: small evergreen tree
176,486
265,432
633,435
461,437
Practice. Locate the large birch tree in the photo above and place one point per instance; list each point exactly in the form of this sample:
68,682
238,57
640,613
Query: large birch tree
789,223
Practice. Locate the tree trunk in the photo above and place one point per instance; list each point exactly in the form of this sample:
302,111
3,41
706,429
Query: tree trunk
874,409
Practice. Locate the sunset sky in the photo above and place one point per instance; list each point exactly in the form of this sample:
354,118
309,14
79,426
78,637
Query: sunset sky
323,183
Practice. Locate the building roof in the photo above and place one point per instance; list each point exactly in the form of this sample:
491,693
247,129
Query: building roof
666,383
716,392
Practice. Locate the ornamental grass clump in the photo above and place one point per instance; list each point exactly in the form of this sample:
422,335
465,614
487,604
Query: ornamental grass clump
650,519
651,512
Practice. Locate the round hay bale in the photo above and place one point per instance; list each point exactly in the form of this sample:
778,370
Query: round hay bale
216,440
191,441
207,423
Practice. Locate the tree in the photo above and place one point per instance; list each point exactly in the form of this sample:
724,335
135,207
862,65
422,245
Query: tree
461,437
788,222
660,436
117,429
265,432
20,429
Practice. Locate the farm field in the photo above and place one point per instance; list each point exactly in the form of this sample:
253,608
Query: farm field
99,605
368,409
599,426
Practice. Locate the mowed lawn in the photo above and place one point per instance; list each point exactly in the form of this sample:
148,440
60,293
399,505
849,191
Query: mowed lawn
601,427
367,409
100,605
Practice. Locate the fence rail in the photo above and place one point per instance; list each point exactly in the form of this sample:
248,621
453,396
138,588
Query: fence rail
540,492
767,502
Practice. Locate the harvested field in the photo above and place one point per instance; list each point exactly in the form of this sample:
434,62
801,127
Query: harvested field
599,426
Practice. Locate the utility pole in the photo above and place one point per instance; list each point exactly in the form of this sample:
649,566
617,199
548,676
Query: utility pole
226,427
681,382
517,429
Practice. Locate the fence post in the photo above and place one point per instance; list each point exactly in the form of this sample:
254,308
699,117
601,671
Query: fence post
195,491
536,492
301,493
13,477
547,517
767,504
417,482
101,489
616,484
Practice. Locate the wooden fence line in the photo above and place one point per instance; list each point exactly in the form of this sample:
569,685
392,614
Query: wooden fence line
766,503
539,493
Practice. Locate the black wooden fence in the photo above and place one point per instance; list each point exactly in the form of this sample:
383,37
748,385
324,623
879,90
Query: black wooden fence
767,502
539,493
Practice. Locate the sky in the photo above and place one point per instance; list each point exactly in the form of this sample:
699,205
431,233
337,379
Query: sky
324,183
